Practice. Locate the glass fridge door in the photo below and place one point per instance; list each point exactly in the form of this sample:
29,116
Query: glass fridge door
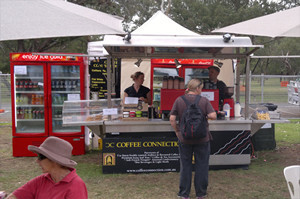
158,75
29,100
189,73
65,85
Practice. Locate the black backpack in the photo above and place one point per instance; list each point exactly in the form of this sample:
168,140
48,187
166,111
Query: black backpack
193,121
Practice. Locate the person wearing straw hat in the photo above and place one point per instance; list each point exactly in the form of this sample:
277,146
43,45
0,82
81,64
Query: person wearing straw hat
59,180
214,71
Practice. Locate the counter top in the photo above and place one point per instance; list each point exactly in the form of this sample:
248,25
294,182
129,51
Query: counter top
239,120
158,125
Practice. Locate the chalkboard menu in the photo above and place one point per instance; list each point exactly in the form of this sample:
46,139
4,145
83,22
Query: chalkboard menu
98,74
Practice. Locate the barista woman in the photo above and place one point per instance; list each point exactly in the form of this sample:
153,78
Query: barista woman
214,71
137,89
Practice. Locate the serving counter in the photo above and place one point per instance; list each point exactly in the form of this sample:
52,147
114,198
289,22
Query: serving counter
151,146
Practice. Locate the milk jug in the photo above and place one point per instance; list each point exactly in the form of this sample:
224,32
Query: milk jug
226,109
237,110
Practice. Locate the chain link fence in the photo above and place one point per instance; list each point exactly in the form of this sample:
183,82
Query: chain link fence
267,88
5,92
5,98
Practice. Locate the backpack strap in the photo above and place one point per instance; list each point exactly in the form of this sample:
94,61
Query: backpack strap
198,97
185,101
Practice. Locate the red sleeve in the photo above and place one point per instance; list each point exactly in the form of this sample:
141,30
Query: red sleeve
28,190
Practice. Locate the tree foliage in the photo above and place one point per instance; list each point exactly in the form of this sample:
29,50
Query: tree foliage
201,16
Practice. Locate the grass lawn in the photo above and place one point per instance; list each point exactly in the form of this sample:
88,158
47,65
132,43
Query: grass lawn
264,178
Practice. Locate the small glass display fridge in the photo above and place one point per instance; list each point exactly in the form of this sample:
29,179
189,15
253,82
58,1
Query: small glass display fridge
39,86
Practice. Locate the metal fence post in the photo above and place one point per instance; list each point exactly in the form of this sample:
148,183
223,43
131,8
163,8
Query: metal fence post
0,90
262,81
250,81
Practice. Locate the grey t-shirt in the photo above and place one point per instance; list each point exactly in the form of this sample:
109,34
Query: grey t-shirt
179,107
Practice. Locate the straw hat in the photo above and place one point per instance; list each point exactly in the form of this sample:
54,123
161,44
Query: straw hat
57,150
217,66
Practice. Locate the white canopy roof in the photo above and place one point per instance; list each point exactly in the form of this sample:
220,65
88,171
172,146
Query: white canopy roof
161,37
29,19
161,25
280,24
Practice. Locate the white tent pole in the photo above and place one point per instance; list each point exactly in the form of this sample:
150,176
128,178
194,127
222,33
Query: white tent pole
237,79
113,75
247,96
108,71
278,56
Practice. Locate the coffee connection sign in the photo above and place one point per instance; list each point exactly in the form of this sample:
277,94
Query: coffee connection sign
140,155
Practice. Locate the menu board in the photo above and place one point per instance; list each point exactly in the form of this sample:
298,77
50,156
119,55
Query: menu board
98,76
140,155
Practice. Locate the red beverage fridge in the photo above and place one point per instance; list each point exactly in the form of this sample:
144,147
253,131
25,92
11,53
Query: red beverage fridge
39,86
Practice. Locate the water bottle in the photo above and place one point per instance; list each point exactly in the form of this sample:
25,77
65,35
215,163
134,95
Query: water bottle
237,110
226,109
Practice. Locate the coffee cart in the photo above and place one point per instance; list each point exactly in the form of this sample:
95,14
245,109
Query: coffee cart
151,146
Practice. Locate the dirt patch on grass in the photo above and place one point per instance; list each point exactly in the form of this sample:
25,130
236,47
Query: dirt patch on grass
288,155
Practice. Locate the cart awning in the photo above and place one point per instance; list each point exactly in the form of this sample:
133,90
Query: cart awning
161,37
183,47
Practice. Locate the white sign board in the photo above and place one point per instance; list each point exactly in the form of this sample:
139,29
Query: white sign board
20,70
110,111
131,100
209,95
73,97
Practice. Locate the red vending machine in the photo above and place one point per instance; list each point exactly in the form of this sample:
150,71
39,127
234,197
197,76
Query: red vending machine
163,69
39,86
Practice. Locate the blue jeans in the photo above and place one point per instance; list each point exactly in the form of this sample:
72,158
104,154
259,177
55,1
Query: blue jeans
201,153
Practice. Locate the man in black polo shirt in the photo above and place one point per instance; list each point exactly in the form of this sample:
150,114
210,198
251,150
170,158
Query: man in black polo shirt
213,78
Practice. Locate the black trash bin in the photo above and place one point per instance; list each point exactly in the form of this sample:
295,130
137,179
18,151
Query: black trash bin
264,139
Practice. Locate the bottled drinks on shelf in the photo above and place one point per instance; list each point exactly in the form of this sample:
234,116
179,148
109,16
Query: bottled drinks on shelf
74,84
27,85
35,85
57,86
18,99
30,85
33,99
53,84
62,84
21,84
29,113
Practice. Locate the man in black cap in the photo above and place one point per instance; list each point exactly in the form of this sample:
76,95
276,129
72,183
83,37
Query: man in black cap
213,78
